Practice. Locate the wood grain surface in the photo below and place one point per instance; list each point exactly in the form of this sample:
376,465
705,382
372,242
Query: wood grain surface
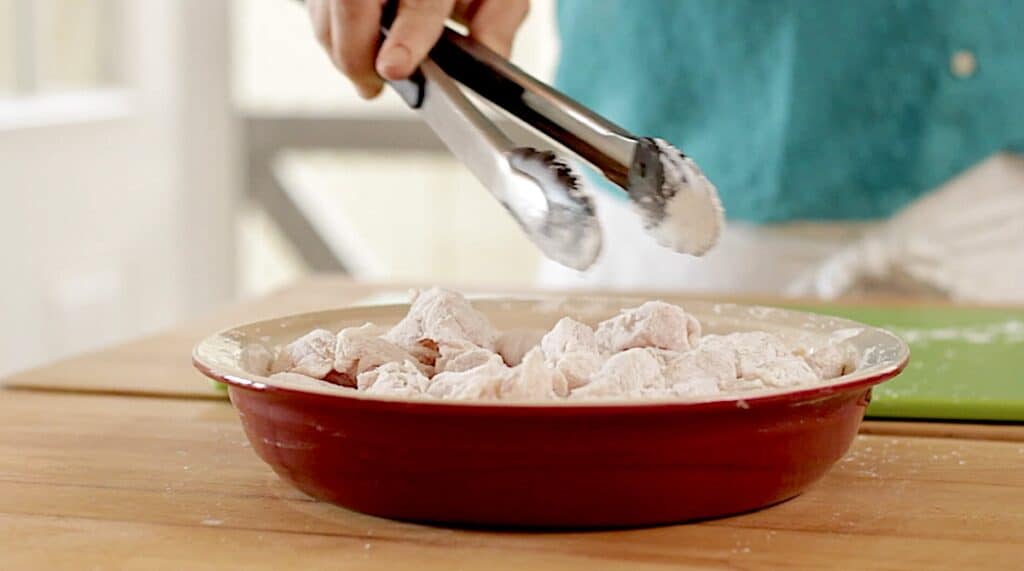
160,365
123,482
126,459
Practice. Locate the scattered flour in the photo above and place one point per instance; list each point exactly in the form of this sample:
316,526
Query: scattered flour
446,349
1010,331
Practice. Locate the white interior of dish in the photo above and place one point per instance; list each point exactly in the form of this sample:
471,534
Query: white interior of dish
879,351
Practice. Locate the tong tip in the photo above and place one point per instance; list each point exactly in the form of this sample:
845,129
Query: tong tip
680,207
565,228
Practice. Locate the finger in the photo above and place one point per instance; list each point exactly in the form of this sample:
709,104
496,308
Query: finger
355,33
464,11
320,17
416,29
494,23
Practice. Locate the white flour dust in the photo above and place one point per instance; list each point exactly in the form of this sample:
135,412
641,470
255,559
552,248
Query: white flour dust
693,212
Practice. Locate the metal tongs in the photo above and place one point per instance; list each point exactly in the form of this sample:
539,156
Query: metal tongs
538,189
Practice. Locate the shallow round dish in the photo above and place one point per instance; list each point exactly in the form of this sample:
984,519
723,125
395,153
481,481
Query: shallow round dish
578,464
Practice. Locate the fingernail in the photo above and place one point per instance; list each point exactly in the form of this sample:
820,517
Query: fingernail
393,60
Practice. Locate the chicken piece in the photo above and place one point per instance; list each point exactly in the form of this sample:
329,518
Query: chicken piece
697,363
459,356
785,372
394,379
750,350
579,367
654,324
692,374
478,383
426,351
311,355
832,358
442,316
622,374
571,348
300,381
695,387
256,359
358,350
514,344
831,361
343,379
533,380
762,361
568,335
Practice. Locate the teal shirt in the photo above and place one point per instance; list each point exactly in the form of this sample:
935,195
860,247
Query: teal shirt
806,109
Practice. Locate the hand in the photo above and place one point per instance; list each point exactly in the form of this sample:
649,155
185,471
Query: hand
349,31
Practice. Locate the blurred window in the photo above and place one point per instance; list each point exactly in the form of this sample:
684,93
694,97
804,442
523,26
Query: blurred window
58,46
313,146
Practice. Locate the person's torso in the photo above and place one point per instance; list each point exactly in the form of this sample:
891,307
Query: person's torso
806,109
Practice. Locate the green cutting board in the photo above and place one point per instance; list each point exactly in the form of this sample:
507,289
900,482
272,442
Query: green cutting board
965,363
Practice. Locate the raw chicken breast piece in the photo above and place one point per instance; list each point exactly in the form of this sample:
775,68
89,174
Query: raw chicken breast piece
695,387
359,350
478,383
442,316
833,358
579,367
623,373
568,335
426,351
698,372
311,355
700,362
831,361
533,380
571,348
785,372
397,379
654,324
750,350
459,356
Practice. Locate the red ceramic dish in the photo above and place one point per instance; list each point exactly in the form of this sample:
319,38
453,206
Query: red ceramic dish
562,465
